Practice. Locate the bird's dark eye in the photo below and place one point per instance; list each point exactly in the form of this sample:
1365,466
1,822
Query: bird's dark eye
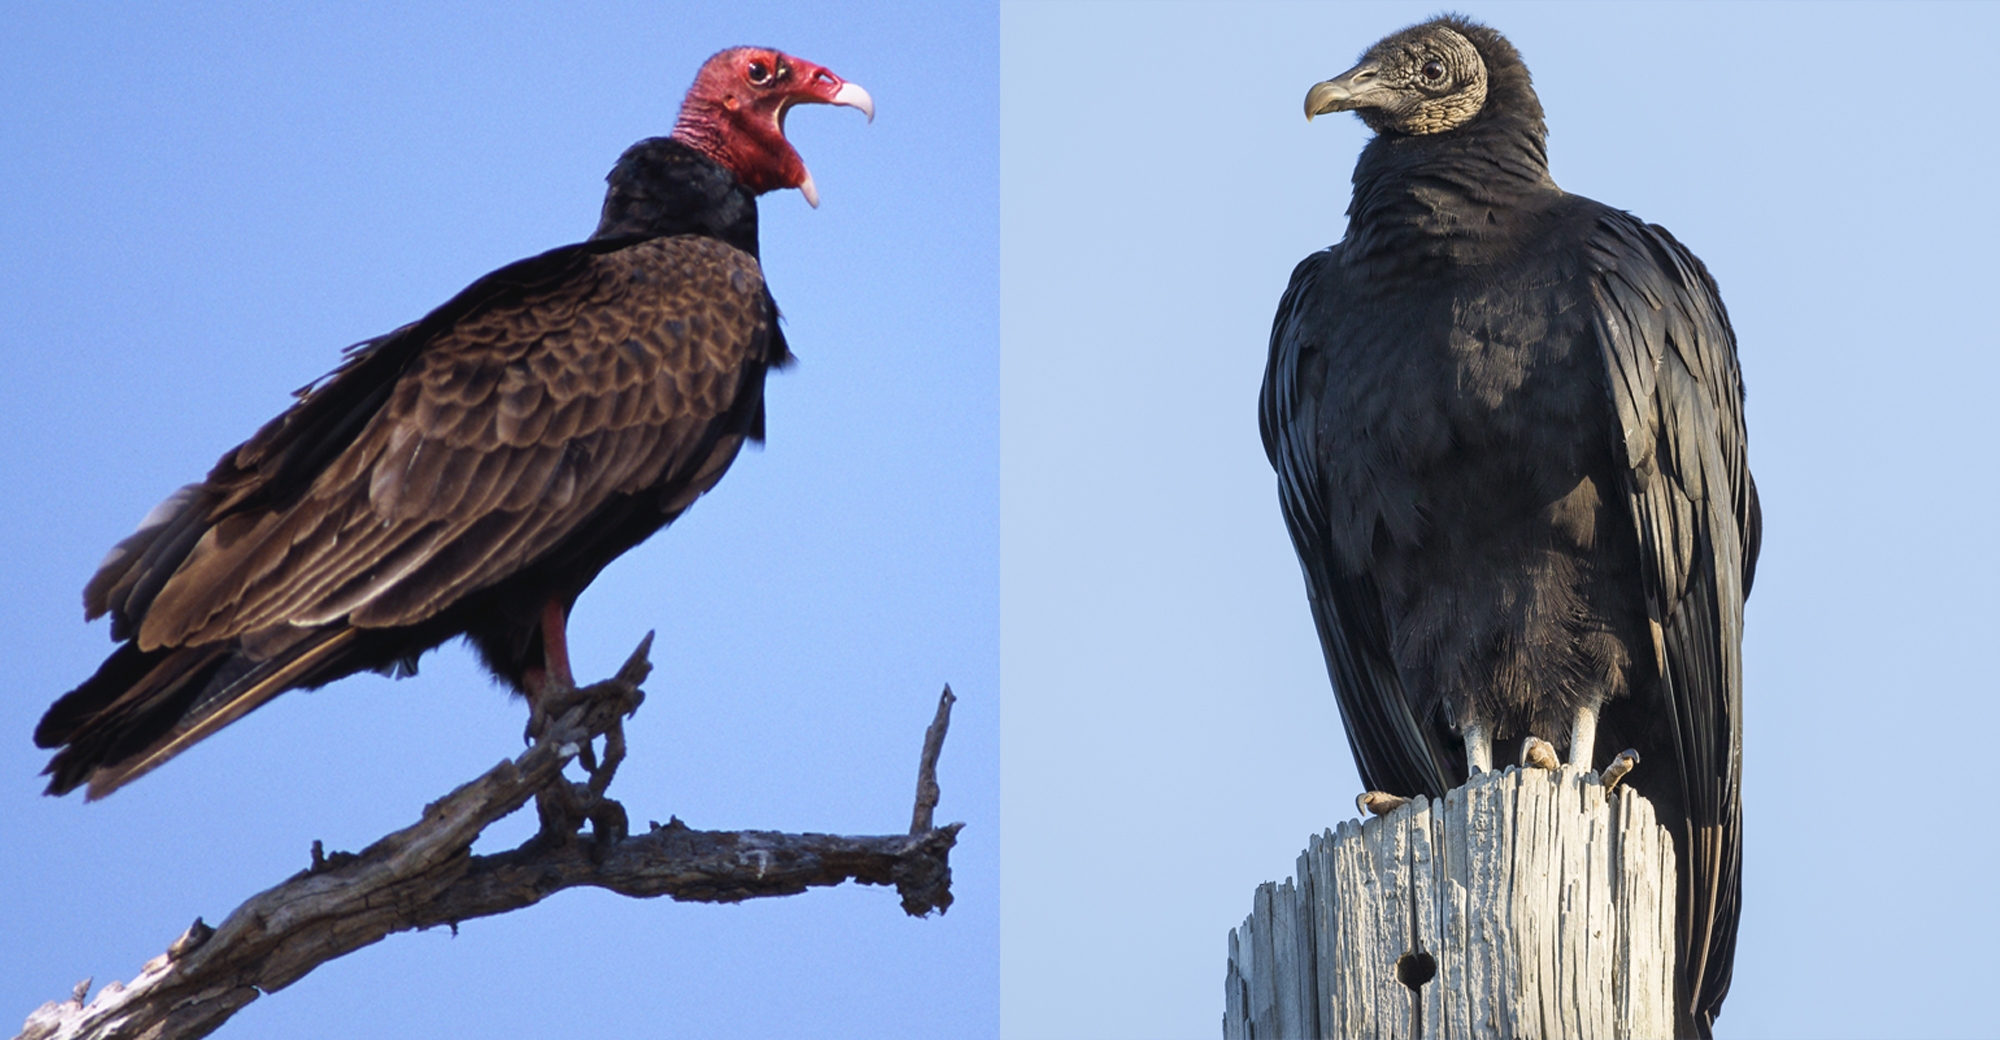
759,72
1433,70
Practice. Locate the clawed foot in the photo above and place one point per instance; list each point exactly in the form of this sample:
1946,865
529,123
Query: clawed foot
1380,803
551,697
1618,768
1539,753
561,713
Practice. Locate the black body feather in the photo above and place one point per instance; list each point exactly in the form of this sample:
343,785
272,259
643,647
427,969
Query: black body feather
1508,432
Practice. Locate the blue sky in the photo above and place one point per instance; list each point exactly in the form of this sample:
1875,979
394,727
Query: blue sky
203,208
1169,739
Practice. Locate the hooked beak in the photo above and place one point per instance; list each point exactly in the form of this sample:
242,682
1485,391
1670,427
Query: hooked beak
1355,88
851,95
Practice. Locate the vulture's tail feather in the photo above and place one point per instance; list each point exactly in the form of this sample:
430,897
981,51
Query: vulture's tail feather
144,707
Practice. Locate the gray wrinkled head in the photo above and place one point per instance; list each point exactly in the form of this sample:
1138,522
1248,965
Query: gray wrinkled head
1426,79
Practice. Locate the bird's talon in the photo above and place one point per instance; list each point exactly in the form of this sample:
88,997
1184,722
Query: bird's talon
1618,768
1539,754
1379,803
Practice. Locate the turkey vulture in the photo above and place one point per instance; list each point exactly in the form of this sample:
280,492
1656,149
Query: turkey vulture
1507,424
471,472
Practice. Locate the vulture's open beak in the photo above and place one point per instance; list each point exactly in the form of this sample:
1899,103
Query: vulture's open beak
1346,92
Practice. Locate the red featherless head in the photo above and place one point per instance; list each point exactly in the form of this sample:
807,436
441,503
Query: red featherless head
735,114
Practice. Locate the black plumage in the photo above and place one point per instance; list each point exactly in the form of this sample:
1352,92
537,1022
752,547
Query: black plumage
469,473
1507,424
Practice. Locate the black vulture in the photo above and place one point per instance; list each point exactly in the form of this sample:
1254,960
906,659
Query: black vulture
471,472
1507,424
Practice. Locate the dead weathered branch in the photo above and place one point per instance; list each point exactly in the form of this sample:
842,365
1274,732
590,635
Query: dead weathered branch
927,785
425,876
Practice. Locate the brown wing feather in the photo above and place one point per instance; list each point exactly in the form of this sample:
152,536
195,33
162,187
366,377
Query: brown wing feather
504,436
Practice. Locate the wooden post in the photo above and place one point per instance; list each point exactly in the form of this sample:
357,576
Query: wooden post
1528,905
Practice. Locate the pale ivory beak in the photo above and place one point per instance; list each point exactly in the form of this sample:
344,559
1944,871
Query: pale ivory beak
851,95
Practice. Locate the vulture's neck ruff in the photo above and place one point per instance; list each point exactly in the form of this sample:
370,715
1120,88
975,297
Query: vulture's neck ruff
728,147
1444,178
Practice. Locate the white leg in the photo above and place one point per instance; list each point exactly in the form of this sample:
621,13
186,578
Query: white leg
1478,749
1583,736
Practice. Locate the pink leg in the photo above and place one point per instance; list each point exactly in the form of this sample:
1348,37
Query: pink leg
555,645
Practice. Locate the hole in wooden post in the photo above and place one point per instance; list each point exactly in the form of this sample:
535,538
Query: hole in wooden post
1415,969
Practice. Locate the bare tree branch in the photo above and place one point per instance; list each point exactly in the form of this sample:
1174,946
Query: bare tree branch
927,786
425,875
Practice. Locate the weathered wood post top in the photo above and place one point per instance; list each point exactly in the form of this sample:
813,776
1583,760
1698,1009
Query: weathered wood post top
1529,904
